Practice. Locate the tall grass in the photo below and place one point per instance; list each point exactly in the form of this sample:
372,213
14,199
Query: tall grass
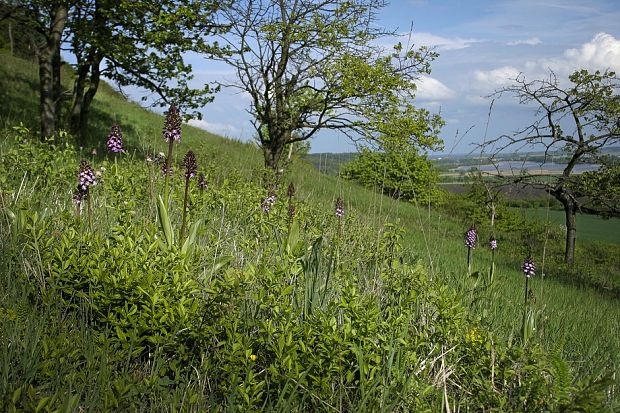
579,323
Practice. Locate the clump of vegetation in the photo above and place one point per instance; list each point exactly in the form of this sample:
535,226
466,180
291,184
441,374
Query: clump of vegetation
266,311
404,174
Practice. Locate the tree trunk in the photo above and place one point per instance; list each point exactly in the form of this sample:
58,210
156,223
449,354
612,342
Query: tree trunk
95,76
82,100
272,156
11,38
570,210
47,106
78,98
49,73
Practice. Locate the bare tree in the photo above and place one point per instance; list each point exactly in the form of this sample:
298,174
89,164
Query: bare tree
577,121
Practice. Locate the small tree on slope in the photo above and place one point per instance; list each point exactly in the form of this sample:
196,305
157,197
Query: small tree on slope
581,120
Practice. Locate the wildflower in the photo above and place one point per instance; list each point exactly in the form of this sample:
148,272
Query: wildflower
291,210
115,140
269,201
160,158
86,176
471,236
189,162
202,182
253,357
528,267
291,190
492,243
339,207
79,195
166,170
172,126
271,197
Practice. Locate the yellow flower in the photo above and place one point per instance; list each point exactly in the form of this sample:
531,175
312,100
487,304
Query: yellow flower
253,357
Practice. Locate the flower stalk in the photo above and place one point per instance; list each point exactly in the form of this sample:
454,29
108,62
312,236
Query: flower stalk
339,212
171,133
471,237
86,179
529,270
189,162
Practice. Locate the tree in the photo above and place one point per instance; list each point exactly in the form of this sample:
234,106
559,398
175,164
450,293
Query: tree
402,174
580,120
48,20
106,41
137,43
311,65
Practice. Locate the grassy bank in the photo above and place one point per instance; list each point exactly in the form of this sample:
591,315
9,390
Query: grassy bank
374,313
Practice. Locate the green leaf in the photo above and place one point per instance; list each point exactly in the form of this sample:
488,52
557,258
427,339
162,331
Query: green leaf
222,262
164,221
42,403
188,245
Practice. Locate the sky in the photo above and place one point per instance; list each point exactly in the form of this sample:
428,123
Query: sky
482,46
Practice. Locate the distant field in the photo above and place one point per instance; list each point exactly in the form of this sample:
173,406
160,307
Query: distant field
589,227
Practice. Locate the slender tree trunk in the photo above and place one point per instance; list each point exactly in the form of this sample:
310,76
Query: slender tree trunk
57,85
570,211
49,73
11,38
46,94
78,98
95,76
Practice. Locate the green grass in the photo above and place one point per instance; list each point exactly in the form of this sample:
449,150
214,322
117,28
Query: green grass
589,227
575,321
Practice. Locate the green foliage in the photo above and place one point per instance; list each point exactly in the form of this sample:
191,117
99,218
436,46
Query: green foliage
591,105
263,315
487,205
602,189
308,68
402,175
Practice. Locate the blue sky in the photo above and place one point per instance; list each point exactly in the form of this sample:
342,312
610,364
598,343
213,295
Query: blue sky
482,46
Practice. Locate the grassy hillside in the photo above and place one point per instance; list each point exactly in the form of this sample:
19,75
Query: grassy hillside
372,313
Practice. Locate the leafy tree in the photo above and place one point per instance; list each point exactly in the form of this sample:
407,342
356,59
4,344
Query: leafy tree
580,120
312,65
401,174
48,20
107,41
129,42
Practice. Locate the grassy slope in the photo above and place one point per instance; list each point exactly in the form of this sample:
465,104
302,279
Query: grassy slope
579,323
590,227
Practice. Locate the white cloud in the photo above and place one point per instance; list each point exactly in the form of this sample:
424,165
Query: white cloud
602,52
492,79
217,128
433,90
532,41
442,43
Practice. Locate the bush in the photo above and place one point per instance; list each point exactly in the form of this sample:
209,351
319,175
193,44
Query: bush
402,175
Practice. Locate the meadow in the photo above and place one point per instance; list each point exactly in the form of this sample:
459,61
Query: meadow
591,227
116,310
